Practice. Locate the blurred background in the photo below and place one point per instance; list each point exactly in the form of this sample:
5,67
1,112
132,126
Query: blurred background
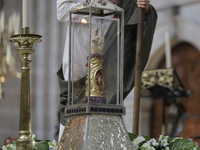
179,18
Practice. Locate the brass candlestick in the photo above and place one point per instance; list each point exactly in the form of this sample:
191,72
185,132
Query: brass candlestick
25,41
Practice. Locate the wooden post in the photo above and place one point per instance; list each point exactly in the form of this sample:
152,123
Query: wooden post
138,72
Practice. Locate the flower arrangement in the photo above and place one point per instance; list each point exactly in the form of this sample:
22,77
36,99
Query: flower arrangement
139,143
163,143
39,145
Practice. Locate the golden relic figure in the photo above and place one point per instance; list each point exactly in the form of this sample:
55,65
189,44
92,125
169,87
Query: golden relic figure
96,75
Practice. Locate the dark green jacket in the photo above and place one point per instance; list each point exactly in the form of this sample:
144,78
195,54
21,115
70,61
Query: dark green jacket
109,57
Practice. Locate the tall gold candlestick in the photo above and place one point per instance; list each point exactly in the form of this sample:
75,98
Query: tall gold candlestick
25,41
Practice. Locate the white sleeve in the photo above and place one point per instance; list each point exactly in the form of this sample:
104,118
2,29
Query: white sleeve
63,9
61,129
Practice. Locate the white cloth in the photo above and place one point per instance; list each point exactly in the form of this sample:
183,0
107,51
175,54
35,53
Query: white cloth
63,9
61,129
80,34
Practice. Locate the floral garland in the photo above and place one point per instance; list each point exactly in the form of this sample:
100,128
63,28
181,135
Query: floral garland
39,145
163,143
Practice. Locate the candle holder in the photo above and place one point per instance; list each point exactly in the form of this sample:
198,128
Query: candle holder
25,41
165,84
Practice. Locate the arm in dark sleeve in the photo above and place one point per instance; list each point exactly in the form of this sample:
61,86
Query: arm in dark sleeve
148,35
130,45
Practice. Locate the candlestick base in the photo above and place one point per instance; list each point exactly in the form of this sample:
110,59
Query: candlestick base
24,144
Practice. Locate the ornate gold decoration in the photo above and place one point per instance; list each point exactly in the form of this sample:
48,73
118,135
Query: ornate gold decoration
95,74
25,41
167,78
95,90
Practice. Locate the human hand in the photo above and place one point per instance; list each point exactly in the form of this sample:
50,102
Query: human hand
113,1
97,47
144,4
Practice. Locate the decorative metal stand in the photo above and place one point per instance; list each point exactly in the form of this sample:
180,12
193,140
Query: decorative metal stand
165,84
25,41
95,126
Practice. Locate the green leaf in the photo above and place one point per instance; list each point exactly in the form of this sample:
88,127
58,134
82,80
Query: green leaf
147,138
173,139
132,136
182,144
47,141
38,140
42,145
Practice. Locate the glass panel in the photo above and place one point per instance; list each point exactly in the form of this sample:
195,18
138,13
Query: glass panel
104,59
80,47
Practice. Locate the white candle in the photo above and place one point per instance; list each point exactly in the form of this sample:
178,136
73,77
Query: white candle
168,50
2,21
10,24
8,54
16,25
25,13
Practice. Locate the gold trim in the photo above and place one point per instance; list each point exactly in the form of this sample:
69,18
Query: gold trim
95,90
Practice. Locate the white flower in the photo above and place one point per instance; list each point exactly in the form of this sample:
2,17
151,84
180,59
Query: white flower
146,145
9,147
195,148
166,137
153,142
161,137
33,136
164,142
52,146
151,148
14,148
166,148
138,140
135,147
